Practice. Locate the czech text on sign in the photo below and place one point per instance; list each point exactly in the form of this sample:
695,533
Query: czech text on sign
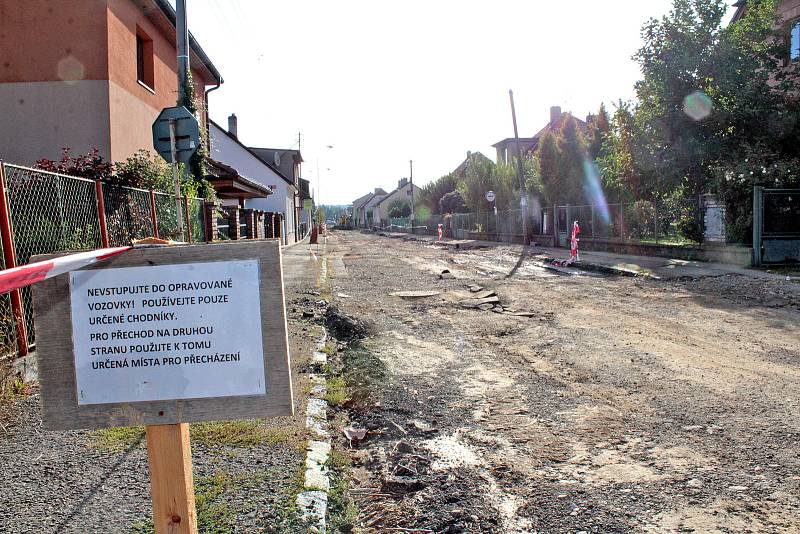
167,334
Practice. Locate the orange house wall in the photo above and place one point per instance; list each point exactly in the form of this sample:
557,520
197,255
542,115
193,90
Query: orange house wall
35,35
133,108
102,105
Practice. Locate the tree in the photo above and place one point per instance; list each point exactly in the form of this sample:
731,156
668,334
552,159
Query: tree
621,181
434,191
599,127
571,157
547,155
452,202
710,96
399,208
479,179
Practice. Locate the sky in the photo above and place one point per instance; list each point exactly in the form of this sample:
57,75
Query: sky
370,85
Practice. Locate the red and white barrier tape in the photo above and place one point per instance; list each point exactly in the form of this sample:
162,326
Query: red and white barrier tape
25,275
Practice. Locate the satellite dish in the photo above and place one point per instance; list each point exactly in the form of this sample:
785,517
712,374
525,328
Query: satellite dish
277,159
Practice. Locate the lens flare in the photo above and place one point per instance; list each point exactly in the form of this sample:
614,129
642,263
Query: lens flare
422,213
697,105
593,190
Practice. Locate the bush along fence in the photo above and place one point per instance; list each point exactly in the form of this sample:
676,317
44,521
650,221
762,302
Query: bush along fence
641,221
43,212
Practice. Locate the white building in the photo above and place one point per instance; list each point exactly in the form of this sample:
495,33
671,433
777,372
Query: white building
226,148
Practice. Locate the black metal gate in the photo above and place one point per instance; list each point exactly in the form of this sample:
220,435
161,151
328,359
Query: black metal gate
776,226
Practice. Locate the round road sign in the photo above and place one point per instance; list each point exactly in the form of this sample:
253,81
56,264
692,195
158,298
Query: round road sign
490,196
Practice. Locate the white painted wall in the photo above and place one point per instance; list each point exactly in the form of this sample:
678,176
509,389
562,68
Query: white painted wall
227,151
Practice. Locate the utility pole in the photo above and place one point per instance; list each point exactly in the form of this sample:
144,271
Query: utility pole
182,48
411,182
520,174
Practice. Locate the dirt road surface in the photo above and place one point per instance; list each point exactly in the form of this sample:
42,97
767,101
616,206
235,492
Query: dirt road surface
620,405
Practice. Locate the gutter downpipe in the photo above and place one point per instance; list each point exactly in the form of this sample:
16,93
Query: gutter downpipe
208,117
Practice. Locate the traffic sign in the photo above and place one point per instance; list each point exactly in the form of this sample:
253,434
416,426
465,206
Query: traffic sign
490,196
187,134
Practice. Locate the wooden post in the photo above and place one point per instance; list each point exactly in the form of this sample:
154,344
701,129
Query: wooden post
169,455
101,212
153,213
10,257
188,222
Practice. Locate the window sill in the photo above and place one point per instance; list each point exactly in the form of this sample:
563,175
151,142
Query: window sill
150,89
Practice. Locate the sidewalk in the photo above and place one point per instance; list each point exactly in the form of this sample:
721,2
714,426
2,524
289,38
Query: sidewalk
622,264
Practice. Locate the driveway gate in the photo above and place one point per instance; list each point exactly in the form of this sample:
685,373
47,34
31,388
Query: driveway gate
776,226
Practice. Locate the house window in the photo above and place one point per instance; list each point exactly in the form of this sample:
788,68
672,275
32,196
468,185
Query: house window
794,40
144,60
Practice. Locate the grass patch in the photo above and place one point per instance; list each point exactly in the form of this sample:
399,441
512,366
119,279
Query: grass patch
337,393
13,389
290,514
342,510
214,515
117,439
246,433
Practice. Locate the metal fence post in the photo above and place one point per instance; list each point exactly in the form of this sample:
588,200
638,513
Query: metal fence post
621,220
186,216
101,212
655,221
153,213
10,257
758,223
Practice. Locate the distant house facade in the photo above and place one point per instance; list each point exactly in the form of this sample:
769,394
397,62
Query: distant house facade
355,212
227,149
506,149
403,192
305,223
362,208
287,162
89,74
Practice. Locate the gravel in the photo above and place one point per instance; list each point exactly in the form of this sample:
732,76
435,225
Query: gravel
624,405
63,482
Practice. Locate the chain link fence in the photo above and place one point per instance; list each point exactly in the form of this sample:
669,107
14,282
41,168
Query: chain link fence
642,221
128,214
52,213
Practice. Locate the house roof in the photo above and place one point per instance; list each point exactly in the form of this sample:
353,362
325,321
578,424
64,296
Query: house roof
550,126
280,151
462,167
558,123
360,200
388,195
227,182
509,140
169,12
262,160
367,199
